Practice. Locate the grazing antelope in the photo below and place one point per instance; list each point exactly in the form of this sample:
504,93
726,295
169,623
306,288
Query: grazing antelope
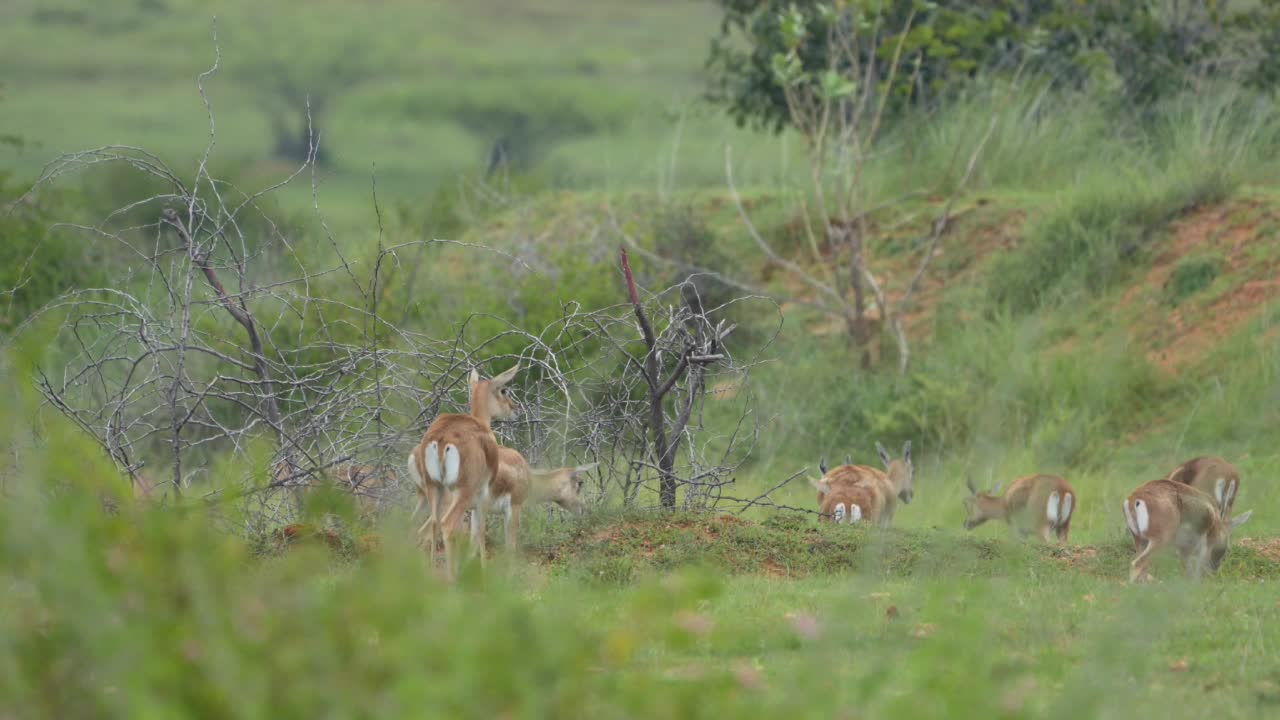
867,493
458,457
1162,513
515,485
1212,475
1033,505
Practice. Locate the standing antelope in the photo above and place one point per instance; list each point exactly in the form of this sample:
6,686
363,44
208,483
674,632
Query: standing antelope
1162,513
854,493
458,457
1033,505
515,484
1212,475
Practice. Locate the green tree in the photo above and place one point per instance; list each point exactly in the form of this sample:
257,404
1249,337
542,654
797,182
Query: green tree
1153,49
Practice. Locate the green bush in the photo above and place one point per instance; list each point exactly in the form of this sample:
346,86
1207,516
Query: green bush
39,262
1190,276
1149,51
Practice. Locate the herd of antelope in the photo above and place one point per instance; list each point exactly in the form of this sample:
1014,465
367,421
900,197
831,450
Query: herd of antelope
1189,509
459,467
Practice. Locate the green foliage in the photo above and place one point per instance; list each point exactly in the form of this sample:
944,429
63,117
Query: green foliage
765,45
1190,276
38,262
1147,51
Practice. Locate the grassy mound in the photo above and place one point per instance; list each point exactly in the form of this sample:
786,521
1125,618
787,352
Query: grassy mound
620,549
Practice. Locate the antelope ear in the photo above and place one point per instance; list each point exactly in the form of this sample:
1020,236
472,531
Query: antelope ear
506,377
821,486
884,454
968,482
585,468
1240,519
475,377
848,459
822,464
995,489
906,452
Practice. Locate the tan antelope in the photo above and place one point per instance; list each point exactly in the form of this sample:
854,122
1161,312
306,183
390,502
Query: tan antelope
516,485
1212,475
457,459
1163,513
1034,505
857,493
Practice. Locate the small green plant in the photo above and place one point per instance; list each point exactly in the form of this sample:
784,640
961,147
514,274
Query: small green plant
1190,276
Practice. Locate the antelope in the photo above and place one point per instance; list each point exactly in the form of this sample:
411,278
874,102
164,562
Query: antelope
844,503
854,493
1162,513
1212,475
515,484
457,458
1032,505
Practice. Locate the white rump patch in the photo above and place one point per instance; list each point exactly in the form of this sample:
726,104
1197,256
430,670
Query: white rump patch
1220,491
1128,518
855,513
1064,513
1051,508
1141,517
840,511
413,472
432,460
452,461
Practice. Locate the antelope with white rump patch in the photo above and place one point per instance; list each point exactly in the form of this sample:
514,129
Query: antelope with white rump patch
457,458
516,485
1163,513
858,493
1034,505
1211,475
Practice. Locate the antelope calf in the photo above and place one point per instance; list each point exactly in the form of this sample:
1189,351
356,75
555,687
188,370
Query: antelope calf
457,458
1212,475
1163,513
1035,505
515,485
857,493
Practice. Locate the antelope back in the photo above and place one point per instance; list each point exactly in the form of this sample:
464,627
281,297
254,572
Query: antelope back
1211,475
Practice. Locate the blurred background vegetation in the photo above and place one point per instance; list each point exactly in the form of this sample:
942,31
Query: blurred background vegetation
1103,306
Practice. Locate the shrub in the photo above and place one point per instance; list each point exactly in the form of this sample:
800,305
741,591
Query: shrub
1190,276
